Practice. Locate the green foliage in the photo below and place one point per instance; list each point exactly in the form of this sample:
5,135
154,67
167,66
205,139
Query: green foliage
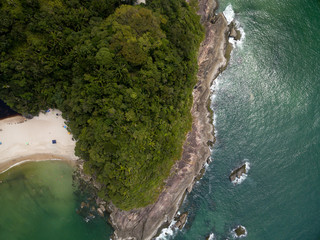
122,75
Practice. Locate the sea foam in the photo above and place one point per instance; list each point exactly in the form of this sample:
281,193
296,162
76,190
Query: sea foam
229,13
214,89
211,236
169,232
234,235
230,16
243,176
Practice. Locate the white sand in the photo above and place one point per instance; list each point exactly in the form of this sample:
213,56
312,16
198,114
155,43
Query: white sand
32,139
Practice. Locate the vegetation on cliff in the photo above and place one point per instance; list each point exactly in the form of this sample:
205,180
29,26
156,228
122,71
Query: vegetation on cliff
122,75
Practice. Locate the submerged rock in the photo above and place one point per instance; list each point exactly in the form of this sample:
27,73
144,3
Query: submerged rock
238,172
83,204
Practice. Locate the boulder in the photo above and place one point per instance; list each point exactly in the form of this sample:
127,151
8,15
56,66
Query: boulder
100,212
238,172
181,220
240,231
234,32
102,208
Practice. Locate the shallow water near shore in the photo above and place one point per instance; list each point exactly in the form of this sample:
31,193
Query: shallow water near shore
38,201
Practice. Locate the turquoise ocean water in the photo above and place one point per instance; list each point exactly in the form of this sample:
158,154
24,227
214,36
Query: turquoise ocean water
267,113
267,108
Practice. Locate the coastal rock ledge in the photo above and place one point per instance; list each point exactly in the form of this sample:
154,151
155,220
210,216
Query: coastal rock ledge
144,223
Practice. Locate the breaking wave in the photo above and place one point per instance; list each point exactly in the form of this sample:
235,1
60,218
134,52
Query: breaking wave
234,235
243,176
169,232
211,236
229,13
230,16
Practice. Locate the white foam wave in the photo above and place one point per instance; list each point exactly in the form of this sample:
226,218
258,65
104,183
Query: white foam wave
214,88
230,16
243,34
211,236
206,166
243,176
234,235
229,13
238,43
168,232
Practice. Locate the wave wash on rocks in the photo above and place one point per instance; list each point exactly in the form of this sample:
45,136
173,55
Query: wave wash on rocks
145,223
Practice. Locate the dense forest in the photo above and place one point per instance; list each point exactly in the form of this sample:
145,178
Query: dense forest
121,74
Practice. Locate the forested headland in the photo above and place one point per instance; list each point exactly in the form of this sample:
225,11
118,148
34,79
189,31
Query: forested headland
121,74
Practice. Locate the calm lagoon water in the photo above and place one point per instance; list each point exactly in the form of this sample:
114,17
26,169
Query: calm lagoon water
38,201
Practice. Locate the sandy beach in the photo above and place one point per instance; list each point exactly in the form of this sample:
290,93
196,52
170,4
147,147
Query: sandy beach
24,140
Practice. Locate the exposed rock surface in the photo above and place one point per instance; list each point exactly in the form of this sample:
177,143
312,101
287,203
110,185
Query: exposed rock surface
144,223
238,172
240,231
234,32
181,220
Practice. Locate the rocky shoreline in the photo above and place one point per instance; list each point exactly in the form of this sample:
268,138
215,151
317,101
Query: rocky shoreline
145,223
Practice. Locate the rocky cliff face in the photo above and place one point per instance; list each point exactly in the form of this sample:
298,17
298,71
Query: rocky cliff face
144,223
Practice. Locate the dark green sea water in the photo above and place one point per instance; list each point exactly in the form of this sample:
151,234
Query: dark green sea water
267,109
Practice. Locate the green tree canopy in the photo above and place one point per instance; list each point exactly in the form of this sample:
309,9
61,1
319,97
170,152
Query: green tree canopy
122,75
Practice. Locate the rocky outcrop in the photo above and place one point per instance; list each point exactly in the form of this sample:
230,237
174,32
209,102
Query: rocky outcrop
144,223
240,231
181,220
238,172
234,32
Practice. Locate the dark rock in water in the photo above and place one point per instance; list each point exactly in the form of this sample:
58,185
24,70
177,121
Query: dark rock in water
210,237
234,32
181,220
238,172
240,231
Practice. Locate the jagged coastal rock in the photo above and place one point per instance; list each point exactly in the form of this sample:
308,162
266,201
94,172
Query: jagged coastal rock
181,220
240,231
144,223
234,32
238,172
